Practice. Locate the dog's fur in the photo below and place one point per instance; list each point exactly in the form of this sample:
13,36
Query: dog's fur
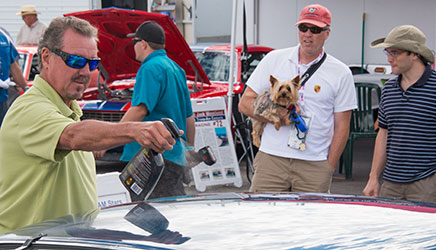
274,104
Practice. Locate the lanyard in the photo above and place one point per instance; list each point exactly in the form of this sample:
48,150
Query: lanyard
315,64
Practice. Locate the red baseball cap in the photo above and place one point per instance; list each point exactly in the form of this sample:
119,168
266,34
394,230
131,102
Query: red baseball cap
315,14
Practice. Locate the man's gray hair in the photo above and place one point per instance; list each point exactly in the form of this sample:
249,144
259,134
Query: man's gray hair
53,35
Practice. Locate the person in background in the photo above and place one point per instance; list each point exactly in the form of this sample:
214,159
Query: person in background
405,147
8,67
161,92
326,99
47,169
32,29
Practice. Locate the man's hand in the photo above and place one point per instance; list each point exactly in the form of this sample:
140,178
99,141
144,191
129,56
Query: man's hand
93,135
154,135
6,83
283,119
371,188
99,154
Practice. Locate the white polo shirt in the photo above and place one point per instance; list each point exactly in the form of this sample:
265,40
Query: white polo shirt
329,90
31,34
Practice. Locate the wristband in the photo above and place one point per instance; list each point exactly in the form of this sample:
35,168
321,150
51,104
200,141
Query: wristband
190,148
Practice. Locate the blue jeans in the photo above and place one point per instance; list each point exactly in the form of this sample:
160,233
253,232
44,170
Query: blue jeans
3,109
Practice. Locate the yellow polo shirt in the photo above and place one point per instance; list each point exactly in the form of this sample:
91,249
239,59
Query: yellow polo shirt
38,181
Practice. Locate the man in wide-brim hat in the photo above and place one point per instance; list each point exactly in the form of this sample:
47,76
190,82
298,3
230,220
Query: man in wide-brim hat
33,29
405,148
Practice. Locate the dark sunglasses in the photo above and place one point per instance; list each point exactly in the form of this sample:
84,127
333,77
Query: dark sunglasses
314,29
134,41
75,61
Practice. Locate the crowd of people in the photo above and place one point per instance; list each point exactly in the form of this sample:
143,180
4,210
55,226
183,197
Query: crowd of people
47,166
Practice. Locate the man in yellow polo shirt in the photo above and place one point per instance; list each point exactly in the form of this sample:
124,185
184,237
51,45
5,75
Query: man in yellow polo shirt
47,169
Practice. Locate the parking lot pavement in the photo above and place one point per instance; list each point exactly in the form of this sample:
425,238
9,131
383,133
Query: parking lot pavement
362,157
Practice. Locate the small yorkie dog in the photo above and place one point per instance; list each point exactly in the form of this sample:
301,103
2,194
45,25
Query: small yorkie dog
275,104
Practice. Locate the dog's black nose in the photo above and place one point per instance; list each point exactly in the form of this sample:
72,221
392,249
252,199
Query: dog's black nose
283,94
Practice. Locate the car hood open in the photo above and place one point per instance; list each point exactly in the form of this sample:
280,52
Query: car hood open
116,49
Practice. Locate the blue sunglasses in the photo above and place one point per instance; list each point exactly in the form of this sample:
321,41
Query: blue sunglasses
75,61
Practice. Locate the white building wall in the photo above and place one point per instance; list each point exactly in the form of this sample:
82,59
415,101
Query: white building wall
272,22
213,19
49,9
276,19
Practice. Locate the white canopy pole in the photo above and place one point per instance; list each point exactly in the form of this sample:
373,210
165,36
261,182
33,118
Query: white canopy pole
149,3
232,59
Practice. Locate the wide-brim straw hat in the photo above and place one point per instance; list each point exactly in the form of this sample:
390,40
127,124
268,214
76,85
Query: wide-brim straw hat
406,37
27,10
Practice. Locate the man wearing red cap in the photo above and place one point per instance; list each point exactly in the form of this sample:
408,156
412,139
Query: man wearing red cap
288,159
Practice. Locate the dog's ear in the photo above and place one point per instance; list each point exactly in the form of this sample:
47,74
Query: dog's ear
273,80
296,81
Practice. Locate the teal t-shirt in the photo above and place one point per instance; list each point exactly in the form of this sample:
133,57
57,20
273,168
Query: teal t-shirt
8,55
161,86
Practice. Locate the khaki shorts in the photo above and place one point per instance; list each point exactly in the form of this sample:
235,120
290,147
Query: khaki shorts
423,190
279,174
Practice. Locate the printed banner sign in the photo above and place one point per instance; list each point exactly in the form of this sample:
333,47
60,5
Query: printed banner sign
212,128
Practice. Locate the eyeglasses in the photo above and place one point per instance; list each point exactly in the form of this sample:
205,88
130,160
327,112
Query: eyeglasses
314,29
134,41
75,61
393,53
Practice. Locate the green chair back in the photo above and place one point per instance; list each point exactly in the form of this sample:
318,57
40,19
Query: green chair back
362,118
362,121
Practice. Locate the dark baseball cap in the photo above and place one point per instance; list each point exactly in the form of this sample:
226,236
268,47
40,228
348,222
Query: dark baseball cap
150,31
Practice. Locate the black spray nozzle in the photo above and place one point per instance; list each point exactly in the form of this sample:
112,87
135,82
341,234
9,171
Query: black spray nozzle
207,155
172,127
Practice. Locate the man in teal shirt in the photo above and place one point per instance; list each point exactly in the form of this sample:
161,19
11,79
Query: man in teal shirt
8,66
47,169
160,92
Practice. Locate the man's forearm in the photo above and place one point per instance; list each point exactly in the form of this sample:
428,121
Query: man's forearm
246,105
92,135
135,113
379,157
190,130
337,147
340,137
16,73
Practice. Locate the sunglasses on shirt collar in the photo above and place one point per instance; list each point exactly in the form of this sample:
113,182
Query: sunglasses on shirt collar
314,29
75,61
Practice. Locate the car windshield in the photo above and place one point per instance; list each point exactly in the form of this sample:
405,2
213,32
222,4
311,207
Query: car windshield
33,71
215,64
22,60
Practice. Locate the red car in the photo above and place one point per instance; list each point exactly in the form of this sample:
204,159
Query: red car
111,98
28,63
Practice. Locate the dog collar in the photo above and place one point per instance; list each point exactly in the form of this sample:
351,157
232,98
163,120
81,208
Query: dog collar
290,107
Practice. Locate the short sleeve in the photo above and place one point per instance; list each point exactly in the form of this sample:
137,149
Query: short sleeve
148,88
40,137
